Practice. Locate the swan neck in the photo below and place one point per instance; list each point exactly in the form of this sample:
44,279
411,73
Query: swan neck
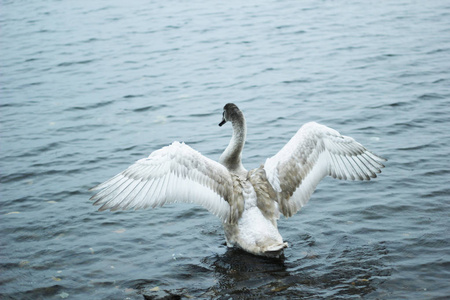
231,157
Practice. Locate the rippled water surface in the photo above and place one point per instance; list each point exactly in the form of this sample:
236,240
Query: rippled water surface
87,88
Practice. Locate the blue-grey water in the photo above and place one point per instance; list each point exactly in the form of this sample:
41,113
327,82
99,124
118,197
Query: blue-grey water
88,87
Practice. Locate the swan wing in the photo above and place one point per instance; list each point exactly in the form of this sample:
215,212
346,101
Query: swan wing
176,173
314,152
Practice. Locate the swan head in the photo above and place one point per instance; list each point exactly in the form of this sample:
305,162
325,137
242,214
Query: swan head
230,113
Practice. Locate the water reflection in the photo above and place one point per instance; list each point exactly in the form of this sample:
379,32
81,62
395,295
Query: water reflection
344,271
239,273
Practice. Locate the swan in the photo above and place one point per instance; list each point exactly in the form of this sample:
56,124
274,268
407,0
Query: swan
249,203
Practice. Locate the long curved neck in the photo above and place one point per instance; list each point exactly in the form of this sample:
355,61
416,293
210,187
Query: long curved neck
231,157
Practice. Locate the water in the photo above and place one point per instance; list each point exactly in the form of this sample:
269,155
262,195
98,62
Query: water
87,88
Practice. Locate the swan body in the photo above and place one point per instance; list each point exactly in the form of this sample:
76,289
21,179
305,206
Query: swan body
249,203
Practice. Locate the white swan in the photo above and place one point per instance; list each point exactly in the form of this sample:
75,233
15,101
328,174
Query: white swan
248,202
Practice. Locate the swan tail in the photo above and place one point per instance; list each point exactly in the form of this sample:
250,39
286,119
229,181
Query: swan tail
272,249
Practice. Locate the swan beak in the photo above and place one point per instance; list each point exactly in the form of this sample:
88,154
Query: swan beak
223,122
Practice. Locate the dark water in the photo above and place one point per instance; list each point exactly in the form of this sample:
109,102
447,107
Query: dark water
87,88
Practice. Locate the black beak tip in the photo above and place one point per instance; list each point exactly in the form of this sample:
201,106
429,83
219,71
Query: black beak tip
221,123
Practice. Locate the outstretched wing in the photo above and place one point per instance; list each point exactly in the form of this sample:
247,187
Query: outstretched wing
314,152
176,173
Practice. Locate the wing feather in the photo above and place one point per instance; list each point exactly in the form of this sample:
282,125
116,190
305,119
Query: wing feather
176,173
314,152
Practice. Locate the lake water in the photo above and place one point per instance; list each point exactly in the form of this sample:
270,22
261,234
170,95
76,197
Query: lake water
87,88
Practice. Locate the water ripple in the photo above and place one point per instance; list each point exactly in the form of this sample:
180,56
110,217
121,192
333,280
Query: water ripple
81,103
